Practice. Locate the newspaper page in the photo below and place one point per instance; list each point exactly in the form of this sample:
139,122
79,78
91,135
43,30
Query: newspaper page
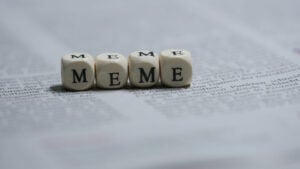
241,111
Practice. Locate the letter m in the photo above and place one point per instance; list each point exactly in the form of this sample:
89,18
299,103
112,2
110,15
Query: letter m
78,78
80,56
147,77
146,54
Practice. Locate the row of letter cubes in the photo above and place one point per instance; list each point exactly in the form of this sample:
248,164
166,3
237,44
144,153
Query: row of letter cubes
111,70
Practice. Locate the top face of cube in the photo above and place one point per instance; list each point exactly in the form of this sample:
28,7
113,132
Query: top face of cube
143,55
111,57
175,53
77,57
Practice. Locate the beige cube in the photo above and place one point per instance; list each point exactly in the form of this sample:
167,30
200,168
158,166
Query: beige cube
175,67
77,71
111,70
143,68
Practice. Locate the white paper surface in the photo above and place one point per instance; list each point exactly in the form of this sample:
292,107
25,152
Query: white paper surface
241,111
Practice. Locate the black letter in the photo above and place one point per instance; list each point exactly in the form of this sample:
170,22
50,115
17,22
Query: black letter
146,54
74,56
82,75
177,52
177,73
112,78
113,56
147,77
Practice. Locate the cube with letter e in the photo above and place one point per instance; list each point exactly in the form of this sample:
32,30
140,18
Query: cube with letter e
175,67
111,70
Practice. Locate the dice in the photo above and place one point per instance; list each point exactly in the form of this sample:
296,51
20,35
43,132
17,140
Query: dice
111,70
175,67
143,68
77,71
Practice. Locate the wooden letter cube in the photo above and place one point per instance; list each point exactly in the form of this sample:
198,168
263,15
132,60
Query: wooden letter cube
175,67
77,71
143,68
111,70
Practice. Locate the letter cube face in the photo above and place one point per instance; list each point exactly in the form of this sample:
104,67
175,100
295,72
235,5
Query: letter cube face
176,68
77,71
111,70
143,68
